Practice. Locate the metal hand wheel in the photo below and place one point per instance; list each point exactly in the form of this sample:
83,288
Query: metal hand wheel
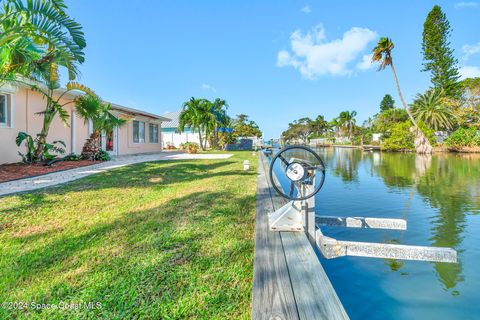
302,168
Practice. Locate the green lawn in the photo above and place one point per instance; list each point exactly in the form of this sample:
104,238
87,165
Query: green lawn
158,240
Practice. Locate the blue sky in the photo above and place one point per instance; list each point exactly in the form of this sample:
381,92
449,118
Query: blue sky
274,60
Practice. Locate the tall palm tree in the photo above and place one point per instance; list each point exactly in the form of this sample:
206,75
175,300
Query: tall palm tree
348,122
382,54
432,109
193,116
219,110
91,108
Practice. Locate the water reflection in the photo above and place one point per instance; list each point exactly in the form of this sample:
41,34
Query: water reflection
448,185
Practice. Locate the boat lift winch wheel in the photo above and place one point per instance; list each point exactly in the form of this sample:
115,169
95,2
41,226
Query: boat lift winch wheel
303,168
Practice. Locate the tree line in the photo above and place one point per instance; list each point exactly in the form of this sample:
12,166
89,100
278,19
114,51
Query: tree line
212,123
448,105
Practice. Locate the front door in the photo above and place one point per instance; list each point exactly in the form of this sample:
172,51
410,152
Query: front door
110,142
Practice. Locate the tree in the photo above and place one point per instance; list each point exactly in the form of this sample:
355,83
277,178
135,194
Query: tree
35,33
243,127
299,130
437,54
319,125
382,54
193,116
36,39
387,103
432,109
467,108
385,120
219,110
91,107
347,122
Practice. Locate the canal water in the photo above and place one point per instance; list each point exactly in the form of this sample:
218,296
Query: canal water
439,196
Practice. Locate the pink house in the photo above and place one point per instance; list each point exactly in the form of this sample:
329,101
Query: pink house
18,112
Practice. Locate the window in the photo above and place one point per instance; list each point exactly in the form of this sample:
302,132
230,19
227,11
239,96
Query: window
138,132
3,109
153,133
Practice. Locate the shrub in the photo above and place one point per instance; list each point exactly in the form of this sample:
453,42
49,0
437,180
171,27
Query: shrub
191,147
170,146
400,138
102,156
463,138
29,156
72,157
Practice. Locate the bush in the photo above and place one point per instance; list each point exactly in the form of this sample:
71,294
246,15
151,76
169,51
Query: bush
463,138
399,138
191,147
102,156
31,145
170,147
72,157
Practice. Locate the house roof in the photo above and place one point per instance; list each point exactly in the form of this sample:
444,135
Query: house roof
75,93
139,112
174,122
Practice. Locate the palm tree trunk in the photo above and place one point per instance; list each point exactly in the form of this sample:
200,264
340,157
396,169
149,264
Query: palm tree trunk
42,138
422,145
200,138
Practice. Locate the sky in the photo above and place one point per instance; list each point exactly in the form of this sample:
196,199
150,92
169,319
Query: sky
276,61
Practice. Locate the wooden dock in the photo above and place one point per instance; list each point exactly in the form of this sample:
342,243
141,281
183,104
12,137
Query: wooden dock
288,282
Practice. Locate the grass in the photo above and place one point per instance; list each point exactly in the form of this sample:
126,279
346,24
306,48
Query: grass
158,240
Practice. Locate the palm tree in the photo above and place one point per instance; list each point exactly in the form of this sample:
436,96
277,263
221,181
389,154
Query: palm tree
36,38
348,122
91,108
432,109
35,33
218,109
382,53
193,116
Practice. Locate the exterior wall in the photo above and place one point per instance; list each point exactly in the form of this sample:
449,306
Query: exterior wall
125,138
171,137
27,103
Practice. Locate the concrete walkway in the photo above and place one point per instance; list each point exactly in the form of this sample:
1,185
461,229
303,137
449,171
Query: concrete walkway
54,178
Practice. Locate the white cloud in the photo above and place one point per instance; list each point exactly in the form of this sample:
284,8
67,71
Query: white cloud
314,56
469,72
306,9
466,4
206,86
366,62
469,50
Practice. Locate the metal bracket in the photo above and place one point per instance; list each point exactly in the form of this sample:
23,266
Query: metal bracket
289,217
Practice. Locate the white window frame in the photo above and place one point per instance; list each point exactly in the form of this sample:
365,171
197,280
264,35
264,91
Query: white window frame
133,132
150,125
8,111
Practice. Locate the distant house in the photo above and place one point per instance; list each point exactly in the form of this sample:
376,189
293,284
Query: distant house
19,108
171,135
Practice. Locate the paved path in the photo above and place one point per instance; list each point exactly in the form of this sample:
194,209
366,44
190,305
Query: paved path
54,178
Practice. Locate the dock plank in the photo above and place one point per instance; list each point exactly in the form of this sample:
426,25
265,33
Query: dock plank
272,291
292,267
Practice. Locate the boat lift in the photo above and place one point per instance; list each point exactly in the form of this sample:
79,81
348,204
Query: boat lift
305,171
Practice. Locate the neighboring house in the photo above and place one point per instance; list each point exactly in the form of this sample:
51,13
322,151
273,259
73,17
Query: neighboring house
376,137
19,108
171,135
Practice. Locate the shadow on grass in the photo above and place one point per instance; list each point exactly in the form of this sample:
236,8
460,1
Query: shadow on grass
157,174
160,257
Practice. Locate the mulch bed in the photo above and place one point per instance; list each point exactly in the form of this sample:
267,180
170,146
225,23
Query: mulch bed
15,171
